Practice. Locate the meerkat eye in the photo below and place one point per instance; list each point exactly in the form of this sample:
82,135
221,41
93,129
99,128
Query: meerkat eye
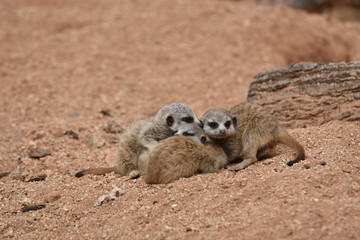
203,140
169,121
213,124
227,124
187,134
188,119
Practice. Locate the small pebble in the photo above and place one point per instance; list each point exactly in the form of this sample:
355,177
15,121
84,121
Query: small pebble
74,114
37,179
106,112
28,208
306,166
72,134
38,153
4,174
52,197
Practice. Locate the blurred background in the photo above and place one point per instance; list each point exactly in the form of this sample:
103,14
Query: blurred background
63,62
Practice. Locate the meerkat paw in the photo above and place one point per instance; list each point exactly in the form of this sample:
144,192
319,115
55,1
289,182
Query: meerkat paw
245,163
235,168
134,174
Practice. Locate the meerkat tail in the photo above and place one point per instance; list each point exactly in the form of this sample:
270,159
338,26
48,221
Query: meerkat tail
95,171
289,141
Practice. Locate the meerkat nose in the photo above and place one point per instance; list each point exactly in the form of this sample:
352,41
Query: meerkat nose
222,131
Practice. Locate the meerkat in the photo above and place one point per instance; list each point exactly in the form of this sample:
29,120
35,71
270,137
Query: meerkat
144,134
179,156
193,132
248,132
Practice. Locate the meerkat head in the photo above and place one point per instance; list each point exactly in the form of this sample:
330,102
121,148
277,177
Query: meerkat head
193,131
176,115
219,123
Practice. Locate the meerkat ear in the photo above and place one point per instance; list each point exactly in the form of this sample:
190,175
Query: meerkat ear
201,124
169,121
234,120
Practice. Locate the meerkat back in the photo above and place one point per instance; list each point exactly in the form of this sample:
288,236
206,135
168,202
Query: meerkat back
164,166
192,131
258,133
178,157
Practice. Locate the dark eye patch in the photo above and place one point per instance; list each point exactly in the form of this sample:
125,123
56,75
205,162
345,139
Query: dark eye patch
169,121
213,124
227,124
188,119
187,134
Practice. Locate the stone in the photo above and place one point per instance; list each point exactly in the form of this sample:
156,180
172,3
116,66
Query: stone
309,93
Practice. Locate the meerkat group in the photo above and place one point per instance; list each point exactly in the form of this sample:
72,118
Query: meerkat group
143,135
162,148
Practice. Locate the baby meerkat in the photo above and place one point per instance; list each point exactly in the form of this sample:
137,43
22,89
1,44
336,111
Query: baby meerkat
179,156
247,131
145,134
191,131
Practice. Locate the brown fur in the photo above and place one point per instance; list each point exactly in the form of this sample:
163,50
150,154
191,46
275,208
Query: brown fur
180,156
256,136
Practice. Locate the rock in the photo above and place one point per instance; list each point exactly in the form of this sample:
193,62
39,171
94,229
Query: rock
106,112
37,179
309,93
72,134
347,10
36,135
322,163
93,141
38,152
74,114
4,174
17,175
52,197
49,162
28,208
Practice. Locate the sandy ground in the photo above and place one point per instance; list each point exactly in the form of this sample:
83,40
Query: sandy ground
63,64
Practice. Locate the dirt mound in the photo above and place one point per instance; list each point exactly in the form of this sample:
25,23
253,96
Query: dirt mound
67,67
